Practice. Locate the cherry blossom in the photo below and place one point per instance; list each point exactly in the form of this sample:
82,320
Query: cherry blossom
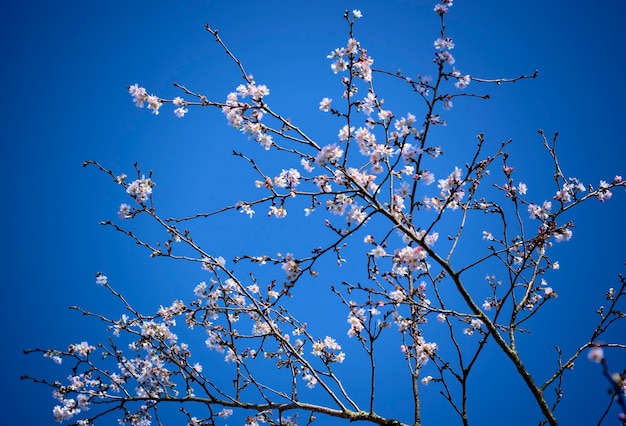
141,189
373,183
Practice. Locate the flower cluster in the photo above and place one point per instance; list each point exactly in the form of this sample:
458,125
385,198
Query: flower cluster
475,324
325,349
462,81
310,380
140,97
451,193
569,190
81,349
339,204
596,354
604,192
287,179
325,104
150,372
124,212
291,267
245,208
101,279
356,318
329,154
81,384
424,350
362,178
540,212
278,212
443,56
66,411
235,111
563,234
352,57
404,127
141,189
442,8
409,259
356,215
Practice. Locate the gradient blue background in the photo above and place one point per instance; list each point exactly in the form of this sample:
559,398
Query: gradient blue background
65,73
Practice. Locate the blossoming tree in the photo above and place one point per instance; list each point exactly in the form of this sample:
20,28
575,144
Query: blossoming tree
390,205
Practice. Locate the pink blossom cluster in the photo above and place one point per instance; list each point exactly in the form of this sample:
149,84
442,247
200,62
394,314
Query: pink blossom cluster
125,211
442,7
66,411
362,178
84,386
452,193
245,208
604,192
141,189
540,212
513,191
288,179
291,267
150,372
326,350
82,349
475,324
356,318
409,259
352,57
140,97
428,239
158,331
339,204
368,104
323,183
462,81
329,154
424,350
569,190
404,127
235,111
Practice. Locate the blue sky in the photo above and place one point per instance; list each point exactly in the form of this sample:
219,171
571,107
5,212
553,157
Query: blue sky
65,77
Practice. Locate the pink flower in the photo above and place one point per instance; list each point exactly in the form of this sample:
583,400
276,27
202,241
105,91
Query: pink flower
603,192
139,94
325,104
180,112
463,82
328,154
596,354
537,212
563,235
154,103
444,57
441,9
101,279
412,257
345,132
278,212
442,44
378,252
